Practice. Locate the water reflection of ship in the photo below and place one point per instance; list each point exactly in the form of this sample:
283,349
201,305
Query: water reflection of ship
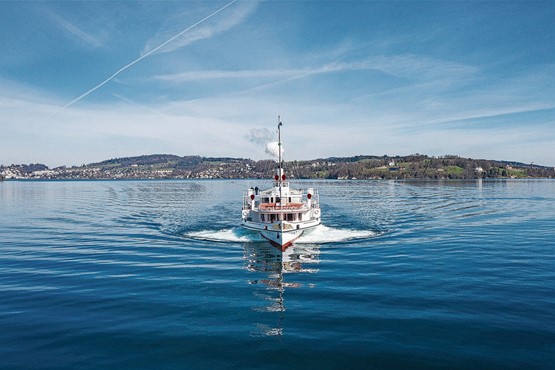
274,269
263,258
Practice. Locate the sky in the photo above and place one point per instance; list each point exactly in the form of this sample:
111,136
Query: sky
86,81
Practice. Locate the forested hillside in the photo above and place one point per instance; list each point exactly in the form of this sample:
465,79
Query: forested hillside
415,166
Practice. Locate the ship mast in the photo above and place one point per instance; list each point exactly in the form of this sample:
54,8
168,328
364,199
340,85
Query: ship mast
279,148
280,174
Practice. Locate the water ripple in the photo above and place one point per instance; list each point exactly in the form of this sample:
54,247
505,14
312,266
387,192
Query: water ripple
146,274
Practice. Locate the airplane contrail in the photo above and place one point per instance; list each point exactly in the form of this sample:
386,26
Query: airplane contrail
143,56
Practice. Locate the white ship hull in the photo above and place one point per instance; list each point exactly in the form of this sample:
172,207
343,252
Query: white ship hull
281,234
282,239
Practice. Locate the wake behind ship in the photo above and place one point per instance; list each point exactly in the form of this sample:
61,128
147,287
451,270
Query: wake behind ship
281,214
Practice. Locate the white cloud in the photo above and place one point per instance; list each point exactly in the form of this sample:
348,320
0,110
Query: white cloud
425,114
219,127
170,43
233,16
75,32
405,66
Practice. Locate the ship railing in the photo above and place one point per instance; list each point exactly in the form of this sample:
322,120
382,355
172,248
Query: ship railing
246,200
315,201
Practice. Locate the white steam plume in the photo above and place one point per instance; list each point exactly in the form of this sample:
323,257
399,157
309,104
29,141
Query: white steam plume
266,139
261,136
144,56
272,148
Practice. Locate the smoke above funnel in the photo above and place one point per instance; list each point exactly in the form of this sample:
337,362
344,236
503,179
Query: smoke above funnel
266,139
272,148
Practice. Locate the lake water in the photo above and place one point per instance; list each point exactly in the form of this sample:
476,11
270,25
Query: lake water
156,274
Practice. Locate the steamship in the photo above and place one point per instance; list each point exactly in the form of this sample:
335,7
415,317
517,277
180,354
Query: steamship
281,214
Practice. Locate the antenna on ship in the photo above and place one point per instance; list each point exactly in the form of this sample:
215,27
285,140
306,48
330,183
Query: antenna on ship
279,148
280,180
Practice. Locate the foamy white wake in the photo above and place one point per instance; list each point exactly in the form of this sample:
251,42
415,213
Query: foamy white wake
226,235
324,234
319,235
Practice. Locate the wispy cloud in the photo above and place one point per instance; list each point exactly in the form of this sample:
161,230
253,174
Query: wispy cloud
339,91
209,127
76,32
117,130
232,18
160,46
404,66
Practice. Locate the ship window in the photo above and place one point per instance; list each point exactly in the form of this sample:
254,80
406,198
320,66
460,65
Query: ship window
278,200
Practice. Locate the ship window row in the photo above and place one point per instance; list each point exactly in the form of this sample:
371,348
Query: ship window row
278,199
281,217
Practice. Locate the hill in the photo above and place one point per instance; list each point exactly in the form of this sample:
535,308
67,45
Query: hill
169,166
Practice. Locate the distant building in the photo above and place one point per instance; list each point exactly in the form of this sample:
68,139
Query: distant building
43,173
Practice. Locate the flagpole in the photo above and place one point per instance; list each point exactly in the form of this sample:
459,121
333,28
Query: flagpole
279,146
280,180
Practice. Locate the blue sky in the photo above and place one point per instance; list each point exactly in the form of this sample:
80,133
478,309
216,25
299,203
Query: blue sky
86,81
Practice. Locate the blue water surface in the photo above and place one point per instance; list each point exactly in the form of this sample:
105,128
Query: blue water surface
157,274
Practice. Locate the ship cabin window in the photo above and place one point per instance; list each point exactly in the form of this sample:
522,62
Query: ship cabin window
278,200
293,217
